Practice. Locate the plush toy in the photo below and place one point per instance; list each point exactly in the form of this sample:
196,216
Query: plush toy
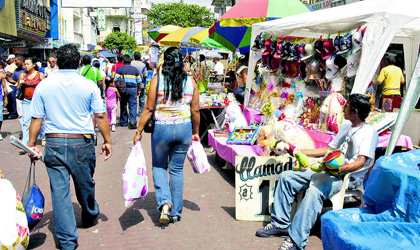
280,147
234,116
332,163
332,115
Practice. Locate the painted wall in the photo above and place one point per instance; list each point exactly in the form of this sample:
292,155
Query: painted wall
8,18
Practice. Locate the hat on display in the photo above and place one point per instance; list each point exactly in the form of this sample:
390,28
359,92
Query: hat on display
357,39
309,51
314,70
334,64
279,50
293,52
274,64
319,48
286,50
337,42
328,49
283,67
266,53
11,56
353,63
302,71
258,43
345,44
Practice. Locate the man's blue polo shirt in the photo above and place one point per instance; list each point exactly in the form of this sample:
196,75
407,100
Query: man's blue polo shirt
131,75
17,73
67,100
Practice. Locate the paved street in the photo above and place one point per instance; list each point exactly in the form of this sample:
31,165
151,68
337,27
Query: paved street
208,220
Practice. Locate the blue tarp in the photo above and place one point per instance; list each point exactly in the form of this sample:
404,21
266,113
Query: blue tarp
107,54
391,219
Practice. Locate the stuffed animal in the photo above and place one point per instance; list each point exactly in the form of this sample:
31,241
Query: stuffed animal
234,116
332,115
280,147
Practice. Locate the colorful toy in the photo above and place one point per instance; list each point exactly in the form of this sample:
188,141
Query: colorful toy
332,163
243,135
292,133
332,114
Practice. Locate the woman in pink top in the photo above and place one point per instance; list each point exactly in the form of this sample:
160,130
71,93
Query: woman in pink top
112,96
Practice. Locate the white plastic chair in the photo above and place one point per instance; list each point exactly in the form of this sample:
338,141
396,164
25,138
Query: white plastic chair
337,199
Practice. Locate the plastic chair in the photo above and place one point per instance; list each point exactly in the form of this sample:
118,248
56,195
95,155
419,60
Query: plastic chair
337,199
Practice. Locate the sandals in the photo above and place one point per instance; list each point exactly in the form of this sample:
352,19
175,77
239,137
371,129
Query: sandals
164,213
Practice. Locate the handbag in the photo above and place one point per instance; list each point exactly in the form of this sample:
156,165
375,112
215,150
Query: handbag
33,200
150,124
20,94
120,83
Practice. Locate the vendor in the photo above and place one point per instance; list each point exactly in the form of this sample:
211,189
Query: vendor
241,75
218,69
357,141
392,77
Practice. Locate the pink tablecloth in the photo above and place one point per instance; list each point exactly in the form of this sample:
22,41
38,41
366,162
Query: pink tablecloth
228,152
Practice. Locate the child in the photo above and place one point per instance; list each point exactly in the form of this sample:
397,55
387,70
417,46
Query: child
112,96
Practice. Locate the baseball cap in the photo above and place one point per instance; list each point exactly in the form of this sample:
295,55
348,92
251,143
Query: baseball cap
345,44
337,42
357,39
293,52
334,64
328,49
11,56
309,51
319,47
353,63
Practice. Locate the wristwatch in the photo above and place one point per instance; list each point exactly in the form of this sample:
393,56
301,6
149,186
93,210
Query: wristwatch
139,132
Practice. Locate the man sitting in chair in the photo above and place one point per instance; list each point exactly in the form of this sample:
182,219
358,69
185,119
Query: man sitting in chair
357,141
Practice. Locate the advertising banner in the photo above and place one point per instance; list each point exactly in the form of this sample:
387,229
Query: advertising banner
101,20
33,19
255,182
96,4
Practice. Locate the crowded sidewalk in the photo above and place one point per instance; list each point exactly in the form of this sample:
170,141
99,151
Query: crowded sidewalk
208,220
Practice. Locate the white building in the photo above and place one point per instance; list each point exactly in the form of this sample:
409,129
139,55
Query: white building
78,27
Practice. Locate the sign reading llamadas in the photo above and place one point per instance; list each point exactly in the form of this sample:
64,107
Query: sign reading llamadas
255,182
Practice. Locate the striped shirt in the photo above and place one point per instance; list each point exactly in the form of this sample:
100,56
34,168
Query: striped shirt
130,75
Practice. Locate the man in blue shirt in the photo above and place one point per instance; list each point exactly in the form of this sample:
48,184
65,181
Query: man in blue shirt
66,100
102,60
13,78
133,80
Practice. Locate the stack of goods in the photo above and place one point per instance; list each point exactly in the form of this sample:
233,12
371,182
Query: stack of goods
381,121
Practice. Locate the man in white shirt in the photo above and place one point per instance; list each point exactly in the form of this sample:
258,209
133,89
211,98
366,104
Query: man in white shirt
52,67
218,69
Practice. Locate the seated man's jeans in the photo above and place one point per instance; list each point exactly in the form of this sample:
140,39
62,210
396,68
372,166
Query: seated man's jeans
76,157
318,186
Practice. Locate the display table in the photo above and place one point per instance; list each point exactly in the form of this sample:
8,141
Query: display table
228,152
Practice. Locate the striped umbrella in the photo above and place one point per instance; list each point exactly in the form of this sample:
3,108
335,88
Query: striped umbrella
180,38
160,32
203,38
233,29
96,48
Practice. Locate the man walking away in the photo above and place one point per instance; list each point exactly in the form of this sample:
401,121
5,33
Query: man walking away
132,78
141,67
67,100
13,78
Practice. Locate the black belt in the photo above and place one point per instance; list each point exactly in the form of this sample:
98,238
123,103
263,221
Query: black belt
72,136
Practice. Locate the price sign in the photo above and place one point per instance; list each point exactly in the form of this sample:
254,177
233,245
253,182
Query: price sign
255,182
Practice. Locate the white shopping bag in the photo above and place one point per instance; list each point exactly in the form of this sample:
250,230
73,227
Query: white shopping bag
134,176
14,231
198,158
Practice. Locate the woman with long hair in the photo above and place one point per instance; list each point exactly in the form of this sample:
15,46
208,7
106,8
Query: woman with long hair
177,123
28,80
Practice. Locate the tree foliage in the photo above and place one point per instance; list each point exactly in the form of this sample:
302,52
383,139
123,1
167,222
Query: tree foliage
179,13
118,41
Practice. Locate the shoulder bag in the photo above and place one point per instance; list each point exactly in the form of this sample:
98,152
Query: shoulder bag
33,200
150,124
120,83
20,94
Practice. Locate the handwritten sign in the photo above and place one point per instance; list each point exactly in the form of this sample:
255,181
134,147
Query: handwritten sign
255,182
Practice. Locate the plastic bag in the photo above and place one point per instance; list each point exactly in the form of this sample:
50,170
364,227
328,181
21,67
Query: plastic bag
134,176
198,158
33,200
14,232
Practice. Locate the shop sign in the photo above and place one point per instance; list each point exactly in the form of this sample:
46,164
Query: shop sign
46,43
2,4
14,44
20,51
255,182
34,19
101,20
321,5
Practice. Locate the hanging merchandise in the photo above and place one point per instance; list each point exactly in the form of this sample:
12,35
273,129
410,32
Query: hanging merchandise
357,39
273,62
319,48
331,113
259,43
345,44
309,52
279,50
266,53
334,64
353,63
328,49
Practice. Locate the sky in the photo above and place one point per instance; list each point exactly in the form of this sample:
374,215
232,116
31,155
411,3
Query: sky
205,3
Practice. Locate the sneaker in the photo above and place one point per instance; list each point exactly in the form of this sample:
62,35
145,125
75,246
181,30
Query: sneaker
174,219
132,125
270,231
1,137
288,244
113,127
164,214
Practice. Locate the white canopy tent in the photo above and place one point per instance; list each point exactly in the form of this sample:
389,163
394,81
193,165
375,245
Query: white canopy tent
396,21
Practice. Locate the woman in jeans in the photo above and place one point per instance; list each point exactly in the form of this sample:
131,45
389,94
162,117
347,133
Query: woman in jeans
29,79
177,123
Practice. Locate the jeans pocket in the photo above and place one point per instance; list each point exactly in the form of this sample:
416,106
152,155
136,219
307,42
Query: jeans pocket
51,154
83,154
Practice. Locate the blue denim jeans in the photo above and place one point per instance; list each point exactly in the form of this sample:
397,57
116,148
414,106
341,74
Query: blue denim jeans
27,116
141,101
76,157
170,144
318,186
130,98
12,102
